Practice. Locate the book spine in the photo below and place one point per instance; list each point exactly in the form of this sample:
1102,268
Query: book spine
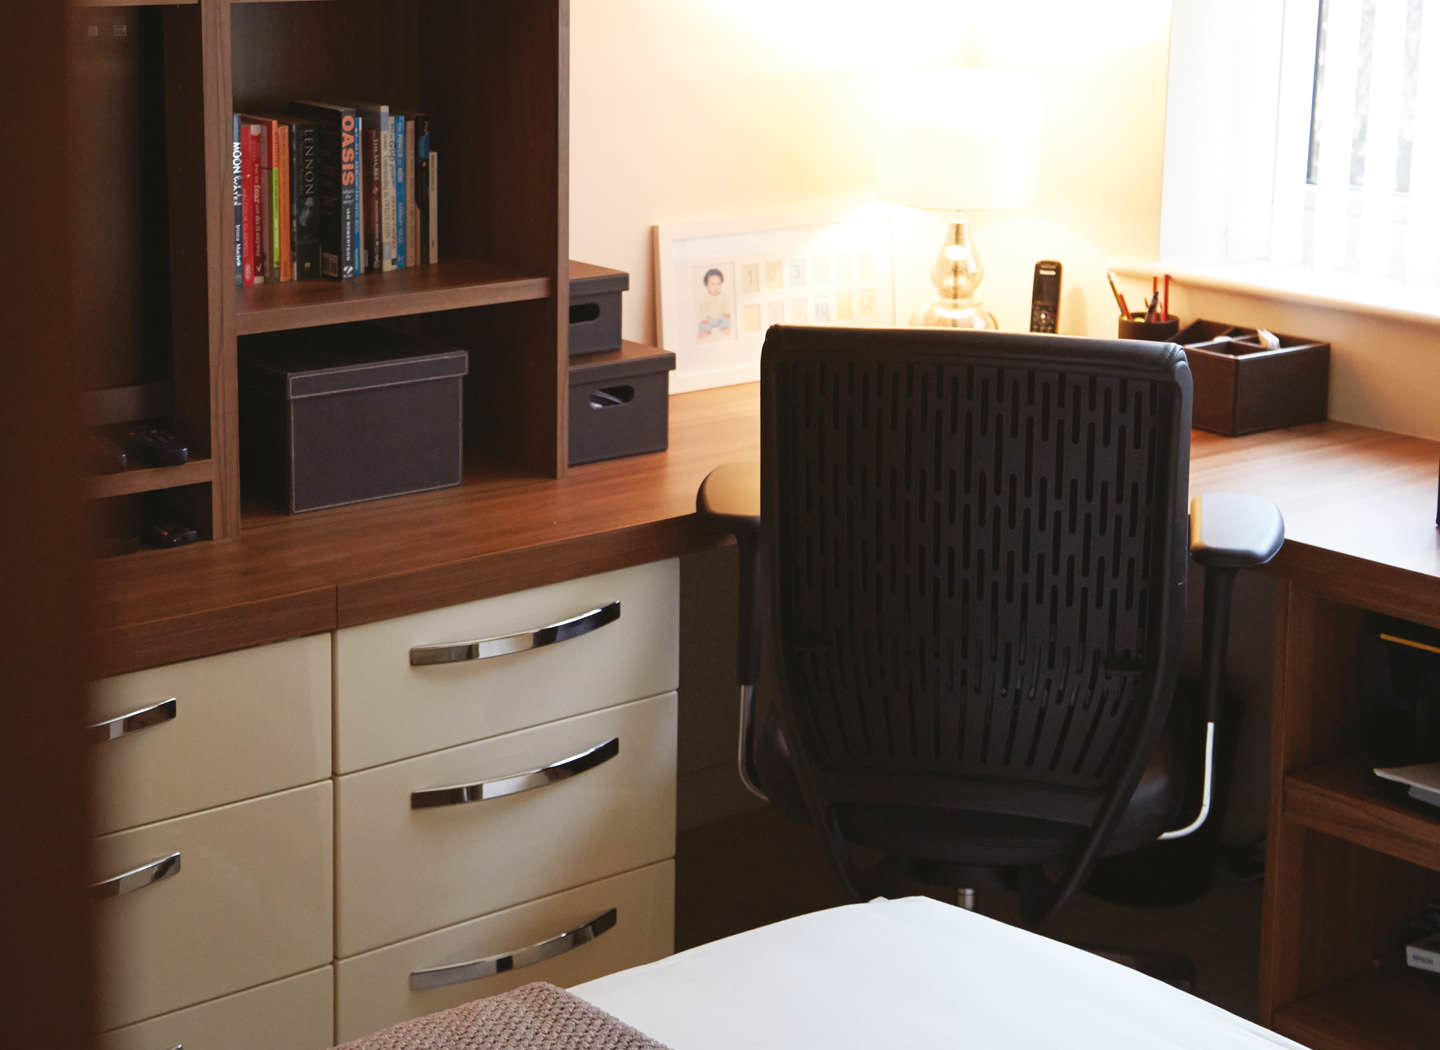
282,214
363,263
306,199
402,197
434,206
336,186
374,223
387,192
257,207
272,202
249,178
422,188
236,187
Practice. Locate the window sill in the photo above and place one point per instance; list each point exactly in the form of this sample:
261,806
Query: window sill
1330,291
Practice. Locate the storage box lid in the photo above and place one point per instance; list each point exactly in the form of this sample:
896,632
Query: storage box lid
589,279
314,362
632,359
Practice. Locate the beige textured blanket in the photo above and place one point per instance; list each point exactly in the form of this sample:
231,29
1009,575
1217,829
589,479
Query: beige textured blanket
534,1016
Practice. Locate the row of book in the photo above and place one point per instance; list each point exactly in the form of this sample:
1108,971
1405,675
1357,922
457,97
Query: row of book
332,190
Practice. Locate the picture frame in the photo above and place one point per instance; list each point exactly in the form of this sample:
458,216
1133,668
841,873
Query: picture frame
720,285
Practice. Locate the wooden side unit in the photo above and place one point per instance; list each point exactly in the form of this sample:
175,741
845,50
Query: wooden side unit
1348,865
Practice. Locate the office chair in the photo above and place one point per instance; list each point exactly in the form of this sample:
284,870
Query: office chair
964,555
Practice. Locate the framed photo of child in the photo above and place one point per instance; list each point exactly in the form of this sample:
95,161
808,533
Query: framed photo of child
720,285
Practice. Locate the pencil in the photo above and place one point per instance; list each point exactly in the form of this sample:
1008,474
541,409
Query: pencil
1119,299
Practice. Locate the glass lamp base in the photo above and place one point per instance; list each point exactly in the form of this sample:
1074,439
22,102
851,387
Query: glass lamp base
955,313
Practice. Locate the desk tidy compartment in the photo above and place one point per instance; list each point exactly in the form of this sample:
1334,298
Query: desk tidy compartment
1241,387
595,307
620,403
348,413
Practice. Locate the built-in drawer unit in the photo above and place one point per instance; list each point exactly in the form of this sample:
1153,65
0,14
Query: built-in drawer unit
201,906
457,833
565,939
297,1013
189,736
435,679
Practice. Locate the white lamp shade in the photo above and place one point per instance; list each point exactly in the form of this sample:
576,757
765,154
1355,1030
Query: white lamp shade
955,139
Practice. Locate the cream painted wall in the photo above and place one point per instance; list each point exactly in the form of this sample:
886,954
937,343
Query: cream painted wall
696,109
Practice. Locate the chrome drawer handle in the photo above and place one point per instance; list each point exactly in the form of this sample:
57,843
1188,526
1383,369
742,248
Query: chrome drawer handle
138,878
505,644
513,785
123,725
459,973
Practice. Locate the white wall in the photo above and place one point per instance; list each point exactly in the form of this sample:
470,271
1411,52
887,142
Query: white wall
696,109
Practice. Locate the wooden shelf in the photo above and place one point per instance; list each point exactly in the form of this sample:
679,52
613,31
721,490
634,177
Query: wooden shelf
1345,800
149,479
1384,1009
136,3
451,285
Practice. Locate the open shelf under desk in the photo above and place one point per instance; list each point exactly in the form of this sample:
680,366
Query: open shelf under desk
448,285
1344,799
149,479
1389,1008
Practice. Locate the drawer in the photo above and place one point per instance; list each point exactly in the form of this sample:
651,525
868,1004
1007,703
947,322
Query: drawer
402,870
239,725
297,1013
387,707
375,989
249,901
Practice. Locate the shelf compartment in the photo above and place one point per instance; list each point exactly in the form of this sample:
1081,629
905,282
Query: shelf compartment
149,479
446,285
1389,1008
1343,799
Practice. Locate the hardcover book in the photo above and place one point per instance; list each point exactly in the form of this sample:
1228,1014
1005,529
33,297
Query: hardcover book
249,199
236,180
282,213
336,185
402,199
374,223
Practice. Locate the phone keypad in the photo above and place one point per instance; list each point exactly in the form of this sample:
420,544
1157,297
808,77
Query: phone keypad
1042,318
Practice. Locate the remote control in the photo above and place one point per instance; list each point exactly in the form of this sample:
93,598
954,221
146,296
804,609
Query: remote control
1045,298
170,534
157,448
106,457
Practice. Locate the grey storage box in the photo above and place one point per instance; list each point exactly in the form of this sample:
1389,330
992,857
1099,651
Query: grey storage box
595,307
338,415
620,403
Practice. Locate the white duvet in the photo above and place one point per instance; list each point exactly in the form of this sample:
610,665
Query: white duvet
909,973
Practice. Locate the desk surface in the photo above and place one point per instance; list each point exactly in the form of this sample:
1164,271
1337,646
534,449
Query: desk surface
1359,508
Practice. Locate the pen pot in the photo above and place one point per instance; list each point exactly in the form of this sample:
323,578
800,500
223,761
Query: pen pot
1136,327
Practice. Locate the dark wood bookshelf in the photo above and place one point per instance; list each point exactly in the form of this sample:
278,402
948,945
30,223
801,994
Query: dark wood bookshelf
1345,799
149,479
446,285
1387,1008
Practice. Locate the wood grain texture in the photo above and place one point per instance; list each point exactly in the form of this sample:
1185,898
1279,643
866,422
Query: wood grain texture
149,479
1344,799
448,285
412,541
46,966
1381,1010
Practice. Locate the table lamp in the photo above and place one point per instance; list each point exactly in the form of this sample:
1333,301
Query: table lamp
954,140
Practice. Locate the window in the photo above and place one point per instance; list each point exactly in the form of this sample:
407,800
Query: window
1306,133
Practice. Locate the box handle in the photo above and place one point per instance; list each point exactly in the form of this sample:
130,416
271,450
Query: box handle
611,396
584,313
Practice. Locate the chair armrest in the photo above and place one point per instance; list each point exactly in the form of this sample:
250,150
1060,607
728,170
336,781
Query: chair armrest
730,497
1231,530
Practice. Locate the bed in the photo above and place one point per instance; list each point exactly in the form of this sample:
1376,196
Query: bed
910,972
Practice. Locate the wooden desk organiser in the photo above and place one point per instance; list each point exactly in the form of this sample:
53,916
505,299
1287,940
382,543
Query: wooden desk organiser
1241,387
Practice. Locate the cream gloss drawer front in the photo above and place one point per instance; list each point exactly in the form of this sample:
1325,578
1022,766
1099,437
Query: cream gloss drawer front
201,906
297,1013
565,939
419,683
439,838
189,736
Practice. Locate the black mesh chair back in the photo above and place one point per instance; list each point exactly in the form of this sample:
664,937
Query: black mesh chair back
976,544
